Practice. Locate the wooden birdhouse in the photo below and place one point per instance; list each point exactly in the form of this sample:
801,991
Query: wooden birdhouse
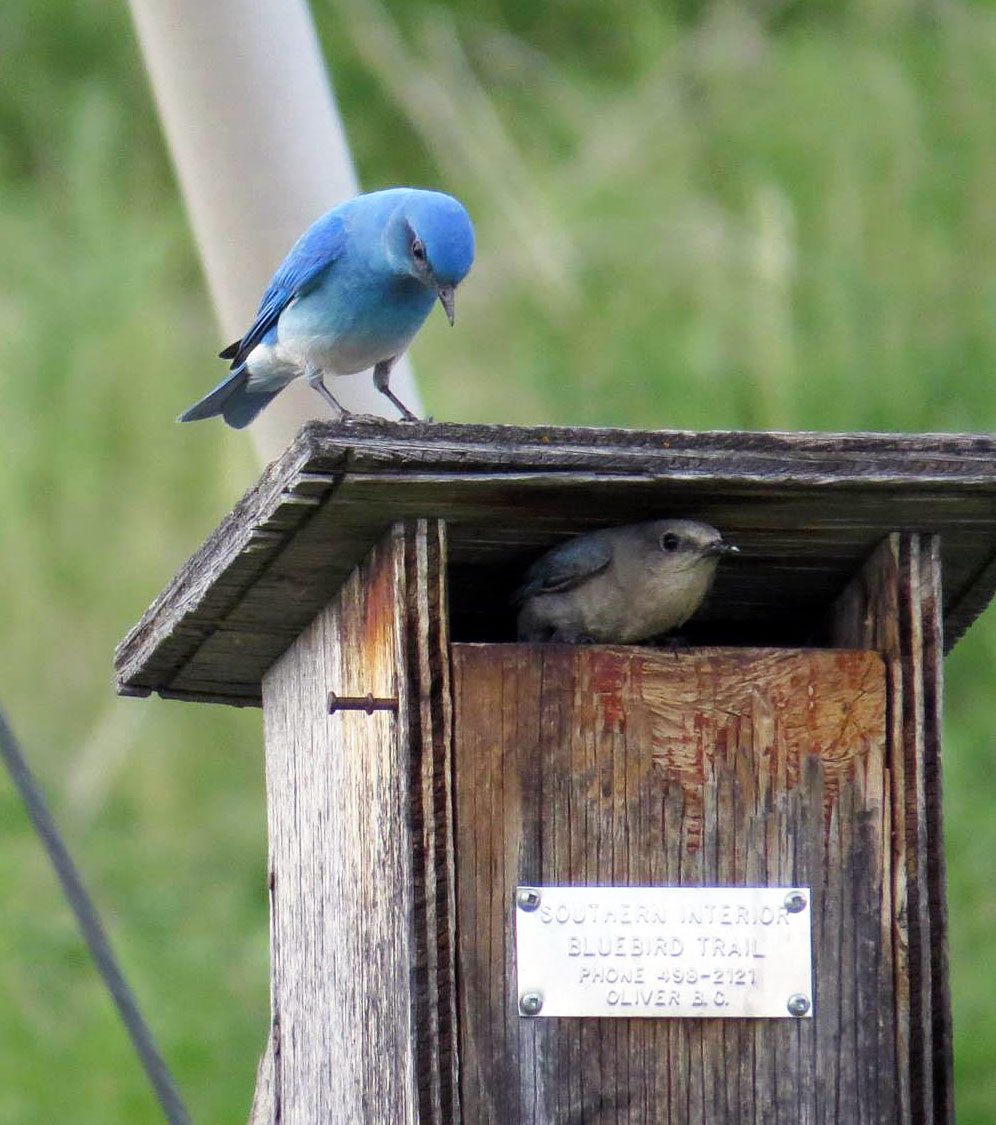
484,855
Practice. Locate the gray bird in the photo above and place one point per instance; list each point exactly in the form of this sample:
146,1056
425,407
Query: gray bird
620,585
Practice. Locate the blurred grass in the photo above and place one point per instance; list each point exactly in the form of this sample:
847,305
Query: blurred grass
777,215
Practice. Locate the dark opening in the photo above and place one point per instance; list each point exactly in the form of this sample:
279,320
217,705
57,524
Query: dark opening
753,603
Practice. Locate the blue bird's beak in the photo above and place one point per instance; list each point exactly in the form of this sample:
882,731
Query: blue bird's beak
445,294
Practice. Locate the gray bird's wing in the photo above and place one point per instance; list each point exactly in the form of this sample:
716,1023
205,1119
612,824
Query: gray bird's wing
565,567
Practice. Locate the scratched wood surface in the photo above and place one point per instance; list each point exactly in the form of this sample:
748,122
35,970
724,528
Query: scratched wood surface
706,767
806,509
893,606
430,745
362,955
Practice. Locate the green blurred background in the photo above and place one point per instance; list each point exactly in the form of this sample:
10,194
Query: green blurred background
689,214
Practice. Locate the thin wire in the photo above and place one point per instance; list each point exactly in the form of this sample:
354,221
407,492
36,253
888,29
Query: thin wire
92,928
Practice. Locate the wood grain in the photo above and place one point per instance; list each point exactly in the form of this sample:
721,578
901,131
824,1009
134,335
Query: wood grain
429,733
623,766
342,939
942,1045
893,606
806,509
360,828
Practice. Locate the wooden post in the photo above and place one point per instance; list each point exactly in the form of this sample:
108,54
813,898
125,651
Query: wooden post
362,989
894,606
375,559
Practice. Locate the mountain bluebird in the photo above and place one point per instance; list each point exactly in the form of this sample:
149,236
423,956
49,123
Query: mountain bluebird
620,585
351,294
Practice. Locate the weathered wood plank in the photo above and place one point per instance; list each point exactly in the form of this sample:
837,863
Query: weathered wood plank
342,941
361,852
429,733
917,845
867,615
942,1045
593,765
800,455
893,606
806,508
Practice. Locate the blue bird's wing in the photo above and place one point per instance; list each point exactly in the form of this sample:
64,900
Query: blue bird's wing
565,567
312,254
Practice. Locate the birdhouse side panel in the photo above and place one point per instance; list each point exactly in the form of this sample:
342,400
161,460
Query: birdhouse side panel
341,858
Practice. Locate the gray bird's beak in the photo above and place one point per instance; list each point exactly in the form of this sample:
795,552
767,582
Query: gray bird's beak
445,294
722,549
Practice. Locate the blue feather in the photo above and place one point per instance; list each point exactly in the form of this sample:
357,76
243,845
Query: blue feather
352,293
243,406
300,271
233,399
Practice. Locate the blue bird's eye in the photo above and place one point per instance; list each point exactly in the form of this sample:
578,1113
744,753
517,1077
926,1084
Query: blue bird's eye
669,541
418,250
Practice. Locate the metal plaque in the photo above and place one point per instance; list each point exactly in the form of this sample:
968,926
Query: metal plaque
664,951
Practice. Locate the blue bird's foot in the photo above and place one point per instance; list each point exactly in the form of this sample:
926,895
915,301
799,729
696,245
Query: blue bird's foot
382,375
316,381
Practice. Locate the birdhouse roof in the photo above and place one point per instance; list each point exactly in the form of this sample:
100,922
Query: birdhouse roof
805,508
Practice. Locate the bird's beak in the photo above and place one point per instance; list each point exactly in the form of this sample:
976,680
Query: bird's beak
445,294
722,549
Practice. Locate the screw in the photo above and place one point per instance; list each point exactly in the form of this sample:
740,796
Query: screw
528,898
798,1005
795,902
530,1003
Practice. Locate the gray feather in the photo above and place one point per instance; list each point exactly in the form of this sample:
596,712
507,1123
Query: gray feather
565,567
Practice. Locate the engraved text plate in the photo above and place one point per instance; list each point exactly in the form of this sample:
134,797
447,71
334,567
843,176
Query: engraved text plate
664,951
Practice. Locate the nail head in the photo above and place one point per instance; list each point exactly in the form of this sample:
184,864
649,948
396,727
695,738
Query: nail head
798,1005
530,1003
527,898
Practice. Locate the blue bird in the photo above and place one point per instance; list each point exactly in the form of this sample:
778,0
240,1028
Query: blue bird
352,293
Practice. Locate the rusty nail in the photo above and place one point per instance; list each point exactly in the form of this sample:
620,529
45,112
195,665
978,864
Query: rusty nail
368,703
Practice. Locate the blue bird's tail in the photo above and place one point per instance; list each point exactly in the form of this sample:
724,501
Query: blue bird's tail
232,399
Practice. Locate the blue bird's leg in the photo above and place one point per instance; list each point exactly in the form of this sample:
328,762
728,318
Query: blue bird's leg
314,377
382,373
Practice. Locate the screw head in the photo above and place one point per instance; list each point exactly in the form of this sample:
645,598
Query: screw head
795,902
530,1003
798,1005
527,898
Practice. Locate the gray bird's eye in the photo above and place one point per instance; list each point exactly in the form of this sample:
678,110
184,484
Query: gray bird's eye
418,250
670,541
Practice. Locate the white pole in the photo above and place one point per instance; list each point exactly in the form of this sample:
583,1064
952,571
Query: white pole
260,153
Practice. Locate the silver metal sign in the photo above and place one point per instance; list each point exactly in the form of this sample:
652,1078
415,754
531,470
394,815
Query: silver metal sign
664,951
